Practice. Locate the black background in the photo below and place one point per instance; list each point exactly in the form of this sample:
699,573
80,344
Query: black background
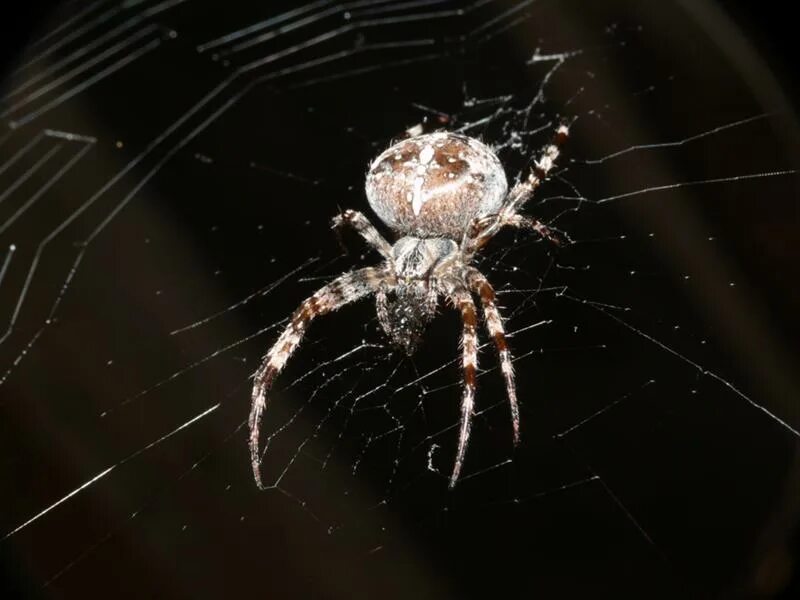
710,481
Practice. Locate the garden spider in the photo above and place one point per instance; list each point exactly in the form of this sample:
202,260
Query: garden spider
445,195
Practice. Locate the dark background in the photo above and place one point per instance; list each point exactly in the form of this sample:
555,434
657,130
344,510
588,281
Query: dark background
695,489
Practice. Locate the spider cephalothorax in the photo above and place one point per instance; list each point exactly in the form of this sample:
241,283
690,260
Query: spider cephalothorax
444,195
406,307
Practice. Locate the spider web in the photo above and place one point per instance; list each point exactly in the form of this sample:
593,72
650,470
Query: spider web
167,178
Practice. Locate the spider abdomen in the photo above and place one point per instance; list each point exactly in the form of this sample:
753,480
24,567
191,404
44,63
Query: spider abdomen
435,185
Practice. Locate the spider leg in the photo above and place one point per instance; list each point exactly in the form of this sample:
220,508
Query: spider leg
524,222
519,195
365,229
382,307
494,324
343,290
464,302
519,222
523,191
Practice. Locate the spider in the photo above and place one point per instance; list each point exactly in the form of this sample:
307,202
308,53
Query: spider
445,196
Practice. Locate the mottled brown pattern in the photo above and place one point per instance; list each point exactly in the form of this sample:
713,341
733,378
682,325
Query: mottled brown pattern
462,181
561,136
305,313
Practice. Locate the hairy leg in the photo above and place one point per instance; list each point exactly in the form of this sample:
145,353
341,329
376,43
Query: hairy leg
488,227
494,324
343,290
517,221
523,191
365,229
523,222
463,301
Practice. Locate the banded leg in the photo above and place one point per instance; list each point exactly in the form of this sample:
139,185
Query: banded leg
382,308
494,324
524,222
464,302
523,191
497,222
365,229
343,290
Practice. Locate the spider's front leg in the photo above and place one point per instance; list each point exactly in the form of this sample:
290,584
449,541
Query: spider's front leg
523,222
343,290
486,228
365,229
523,191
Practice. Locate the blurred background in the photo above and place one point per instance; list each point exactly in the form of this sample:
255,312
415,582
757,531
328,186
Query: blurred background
168,172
